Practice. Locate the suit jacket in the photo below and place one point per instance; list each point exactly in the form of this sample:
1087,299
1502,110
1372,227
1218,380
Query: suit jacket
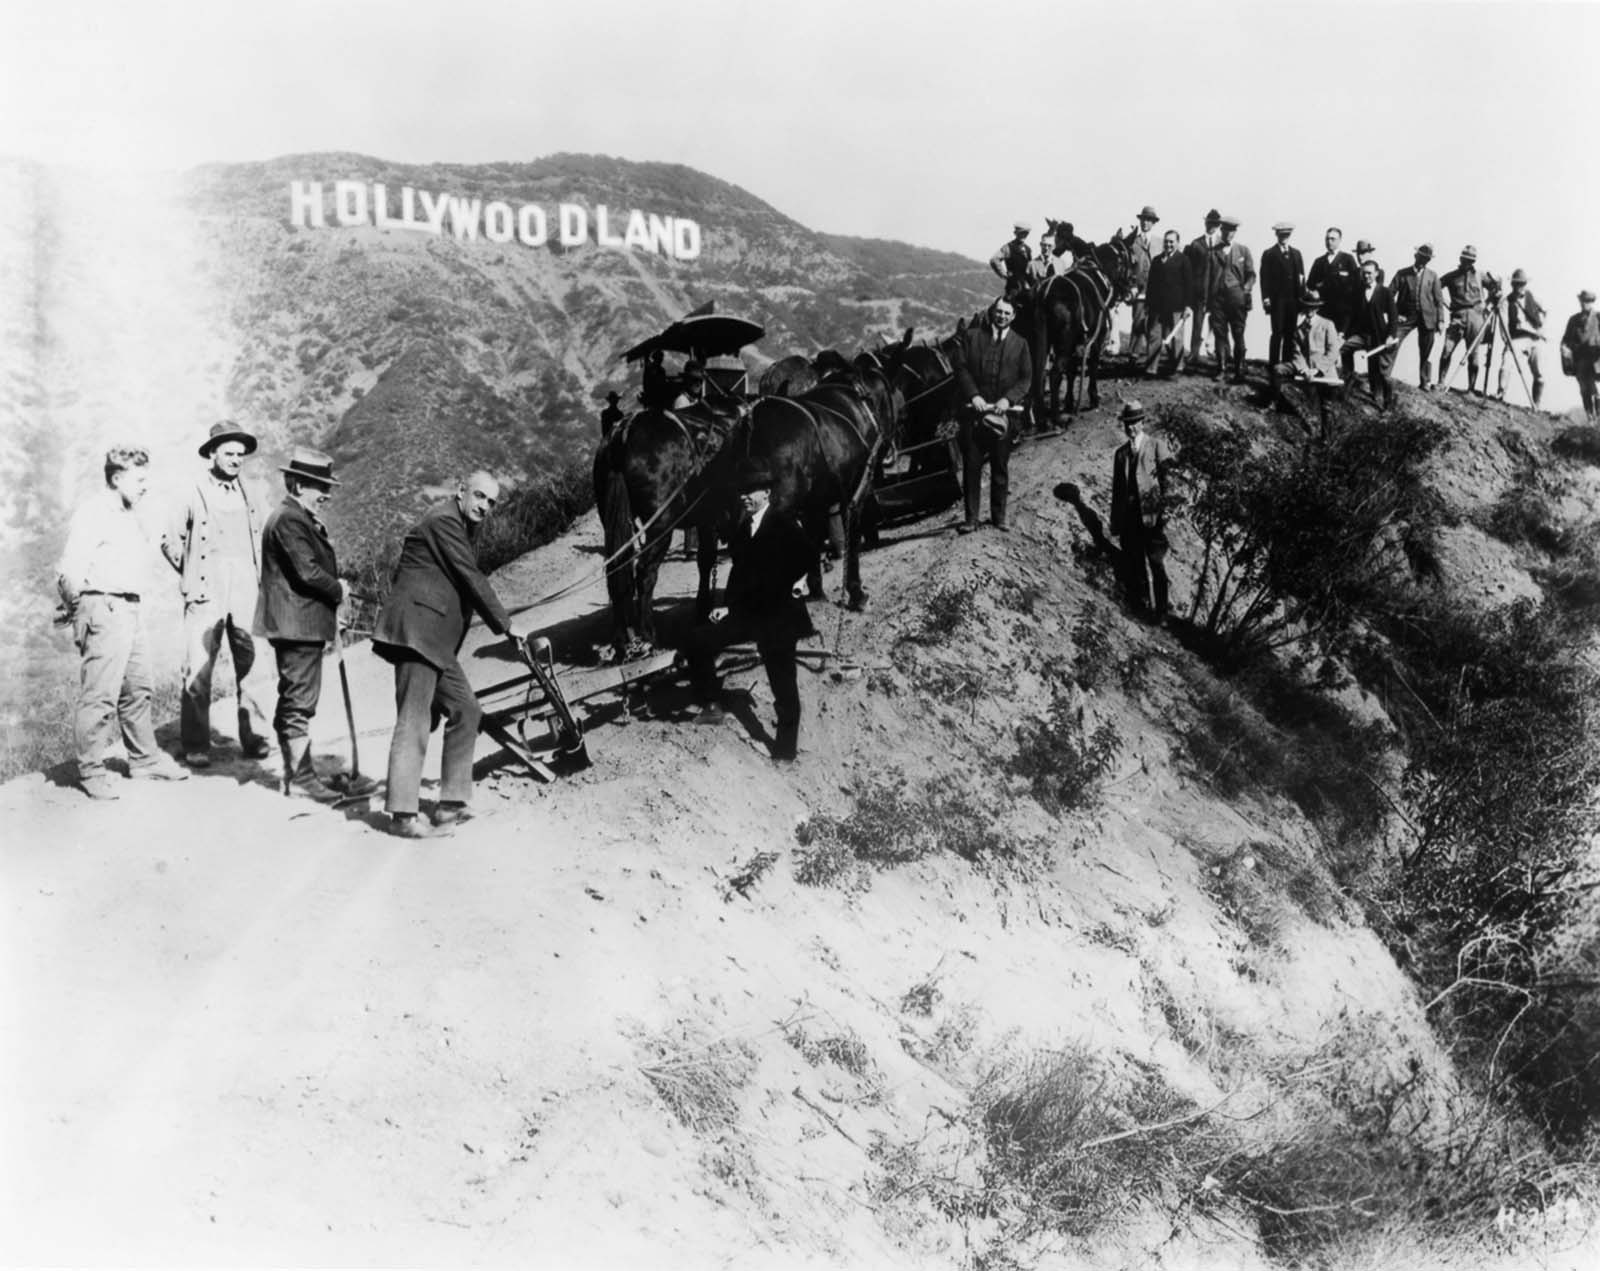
436,588
1377,318
1283,276
1138,485
1338,281
992,369
1140,254
300,592
1524,314
1171,285
765,566
1236,273
1202,272
1316,348
1418,297
1582,334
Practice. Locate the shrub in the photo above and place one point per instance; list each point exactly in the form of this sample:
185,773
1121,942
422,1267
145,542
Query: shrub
699,1081
949,607
1063,763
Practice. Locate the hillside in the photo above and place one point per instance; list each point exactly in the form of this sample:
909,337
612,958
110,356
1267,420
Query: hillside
1063,946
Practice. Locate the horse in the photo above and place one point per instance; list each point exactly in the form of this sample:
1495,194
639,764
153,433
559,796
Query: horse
787,377
821,448
1072,318
645,475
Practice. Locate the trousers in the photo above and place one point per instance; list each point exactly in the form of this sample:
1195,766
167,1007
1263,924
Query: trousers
424,694
1144,564
775,642
114,687
299,686
205,627
1380,368
1464,325
1424,349
980,445
1285,317
1227,328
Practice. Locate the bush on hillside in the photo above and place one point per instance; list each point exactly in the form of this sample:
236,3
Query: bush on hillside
1062,760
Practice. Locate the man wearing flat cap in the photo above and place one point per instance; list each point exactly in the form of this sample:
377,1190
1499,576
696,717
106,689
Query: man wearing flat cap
1230,303
297,611
213,541
1420,303
434,592
1336,278
1011,261
1140,252
1203,279
770,553
1580,352
1283,278
1465,288
1138,512
1525,326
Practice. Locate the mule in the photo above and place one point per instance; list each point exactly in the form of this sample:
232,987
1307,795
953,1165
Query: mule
1071,320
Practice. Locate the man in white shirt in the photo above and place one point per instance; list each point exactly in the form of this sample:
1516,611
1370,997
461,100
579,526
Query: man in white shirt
104,574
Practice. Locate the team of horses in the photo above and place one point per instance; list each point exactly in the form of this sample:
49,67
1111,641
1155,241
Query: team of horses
824,428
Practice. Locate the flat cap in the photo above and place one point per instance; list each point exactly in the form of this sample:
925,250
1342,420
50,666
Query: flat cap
1022,227
1282,227
1228,220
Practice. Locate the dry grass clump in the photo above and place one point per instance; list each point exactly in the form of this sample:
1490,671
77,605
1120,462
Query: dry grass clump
699,1081
843,1049
1253,882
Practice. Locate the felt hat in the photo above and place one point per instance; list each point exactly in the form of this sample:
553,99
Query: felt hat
1469,252
613,397
1423,249
310,465
1586,296
1364,246
751,474
1148,213
1213,217
1311,298
1132,412
227,430
1518,276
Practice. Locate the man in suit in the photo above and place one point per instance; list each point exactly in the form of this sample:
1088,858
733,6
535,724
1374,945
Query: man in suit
611,416
1365,251
1420,304
436,588
1140,253
1167,301
1313,360
1336,278
1232,299
1525,326
1203,280
1580,350
1283,276
1374,327
1138,512
297,611
770,553
1465,287
1011,261
994,371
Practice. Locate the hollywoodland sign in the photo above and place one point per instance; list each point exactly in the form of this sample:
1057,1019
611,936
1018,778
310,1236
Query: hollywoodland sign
356,203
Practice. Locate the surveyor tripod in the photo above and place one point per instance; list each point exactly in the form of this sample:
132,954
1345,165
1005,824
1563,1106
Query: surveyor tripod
1493,321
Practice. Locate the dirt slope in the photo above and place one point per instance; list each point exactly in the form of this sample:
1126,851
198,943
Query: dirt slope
239,1031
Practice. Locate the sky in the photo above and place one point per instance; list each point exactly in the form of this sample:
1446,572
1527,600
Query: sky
934,122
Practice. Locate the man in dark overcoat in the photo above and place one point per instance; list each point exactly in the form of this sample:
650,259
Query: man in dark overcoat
1283,276
1167,302
1335,277
1138,512
1203,277
436,588
1374,326
994,371
770,552
297,611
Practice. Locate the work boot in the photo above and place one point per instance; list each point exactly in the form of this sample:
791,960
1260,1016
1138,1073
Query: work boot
197,759
300,780
102,787
1538,392
410,826
450,814
162,768
251,744
786,744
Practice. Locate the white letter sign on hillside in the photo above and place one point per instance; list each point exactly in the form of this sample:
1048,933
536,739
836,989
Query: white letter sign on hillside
360,203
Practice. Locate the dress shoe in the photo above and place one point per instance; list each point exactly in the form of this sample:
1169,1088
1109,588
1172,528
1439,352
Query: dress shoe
451,814
161,768
307,785
1002,527
414,827
197,759
966,527
101,789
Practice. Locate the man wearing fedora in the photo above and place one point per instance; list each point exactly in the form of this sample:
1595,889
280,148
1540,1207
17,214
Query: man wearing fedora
770,553
1203,279
1138,512
1420,303
611,416
103,577
1374,329
1365,251
436,588
213,541
1313,357
1283,277
1011,261
297,611
994,371
1141,251
1580,352
1525,326
1465,288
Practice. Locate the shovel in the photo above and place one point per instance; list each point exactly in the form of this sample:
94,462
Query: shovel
354,786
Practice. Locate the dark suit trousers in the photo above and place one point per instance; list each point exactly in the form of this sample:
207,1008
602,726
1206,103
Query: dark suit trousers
775,642
1227,326
1285,318
299,686
1424,348
1144,557
423,695
980,445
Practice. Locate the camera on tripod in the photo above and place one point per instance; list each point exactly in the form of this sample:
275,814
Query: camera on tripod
1491,288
